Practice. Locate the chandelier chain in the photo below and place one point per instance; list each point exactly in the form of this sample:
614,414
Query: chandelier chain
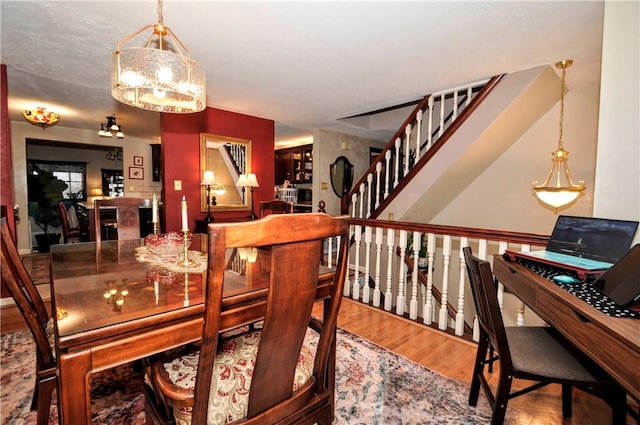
160,20
562,91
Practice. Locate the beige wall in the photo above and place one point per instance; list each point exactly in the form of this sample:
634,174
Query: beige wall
132,146
327,146
617,186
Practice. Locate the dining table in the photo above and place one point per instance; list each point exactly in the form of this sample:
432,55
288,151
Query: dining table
119,301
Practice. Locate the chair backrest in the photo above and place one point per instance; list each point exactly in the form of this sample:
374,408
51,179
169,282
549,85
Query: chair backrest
127,216
485,297
295,245
26,296
276,206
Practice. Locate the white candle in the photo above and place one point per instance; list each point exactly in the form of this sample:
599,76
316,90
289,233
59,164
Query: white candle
185,219
154,209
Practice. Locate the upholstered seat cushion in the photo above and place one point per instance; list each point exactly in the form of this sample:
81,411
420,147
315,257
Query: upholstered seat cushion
231,379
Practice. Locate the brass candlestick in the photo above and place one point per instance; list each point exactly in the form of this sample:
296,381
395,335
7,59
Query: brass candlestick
155,227
185,238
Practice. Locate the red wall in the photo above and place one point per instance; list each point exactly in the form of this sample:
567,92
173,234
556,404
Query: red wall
181,159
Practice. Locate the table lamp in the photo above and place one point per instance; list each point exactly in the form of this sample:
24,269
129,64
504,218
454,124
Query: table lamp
252,182
209,179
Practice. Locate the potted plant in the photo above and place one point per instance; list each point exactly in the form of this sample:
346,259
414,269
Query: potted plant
44,193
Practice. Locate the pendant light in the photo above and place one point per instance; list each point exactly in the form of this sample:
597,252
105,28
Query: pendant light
159,76
558,190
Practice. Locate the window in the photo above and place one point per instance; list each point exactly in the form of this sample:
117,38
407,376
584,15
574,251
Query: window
74,174
75,183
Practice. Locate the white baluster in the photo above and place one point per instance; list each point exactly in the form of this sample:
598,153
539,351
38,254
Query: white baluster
407,147
520,315
354,203
418,133
446,254
361,200
390,244
502,246
397,167
330,252
441,130
427,313
469,93
464,241
402,275
430,124
367,264
376,290
370,194
387,170
379,182
355,289
413,303
455,106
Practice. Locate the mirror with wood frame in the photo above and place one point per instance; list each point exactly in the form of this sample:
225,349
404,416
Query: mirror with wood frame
228,158
341,176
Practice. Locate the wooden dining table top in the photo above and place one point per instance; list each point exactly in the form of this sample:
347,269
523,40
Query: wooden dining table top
100,286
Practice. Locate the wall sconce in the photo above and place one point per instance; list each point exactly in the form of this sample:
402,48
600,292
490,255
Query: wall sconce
40,116
562,194
208,179
108,129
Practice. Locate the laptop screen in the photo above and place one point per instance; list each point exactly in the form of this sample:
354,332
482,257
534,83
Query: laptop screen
594,238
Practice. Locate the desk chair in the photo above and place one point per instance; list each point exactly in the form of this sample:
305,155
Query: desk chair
26,296
272,376
275,206
531,353
127,223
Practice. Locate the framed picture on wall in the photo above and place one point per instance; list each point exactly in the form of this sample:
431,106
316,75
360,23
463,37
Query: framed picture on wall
136,173
137,160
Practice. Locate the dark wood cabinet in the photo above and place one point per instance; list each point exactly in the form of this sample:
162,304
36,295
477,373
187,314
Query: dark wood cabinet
294,164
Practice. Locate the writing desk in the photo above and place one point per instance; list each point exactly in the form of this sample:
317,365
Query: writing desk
613,343
158,312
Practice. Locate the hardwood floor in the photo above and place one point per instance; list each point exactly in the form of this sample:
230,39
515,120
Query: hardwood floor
454,358
440,352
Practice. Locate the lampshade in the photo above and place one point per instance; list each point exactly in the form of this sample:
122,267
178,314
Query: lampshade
41,116
564,192
96,191
252,181
242,180
161,76
208,179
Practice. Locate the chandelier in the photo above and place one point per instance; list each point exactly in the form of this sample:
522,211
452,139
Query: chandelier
564,191
111,127
40,116
161,76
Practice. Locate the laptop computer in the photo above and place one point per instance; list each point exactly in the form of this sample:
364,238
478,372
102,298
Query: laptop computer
585,245
621,283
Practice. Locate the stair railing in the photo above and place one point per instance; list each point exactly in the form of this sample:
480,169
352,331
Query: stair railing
438,116
380,277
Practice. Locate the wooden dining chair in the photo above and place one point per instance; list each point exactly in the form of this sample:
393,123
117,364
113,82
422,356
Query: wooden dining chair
71,231
263,376
275,206
127,222
33,310
534,353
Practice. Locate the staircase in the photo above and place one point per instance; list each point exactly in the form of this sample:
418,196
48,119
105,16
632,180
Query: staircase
448,140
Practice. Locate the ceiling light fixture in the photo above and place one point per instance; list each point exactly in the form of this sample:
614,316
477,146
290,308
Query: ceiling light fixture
565,192
40,116
161,76
111,128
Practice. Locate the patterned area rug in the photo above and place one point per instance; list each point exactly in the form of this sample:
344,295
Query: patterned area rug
374,386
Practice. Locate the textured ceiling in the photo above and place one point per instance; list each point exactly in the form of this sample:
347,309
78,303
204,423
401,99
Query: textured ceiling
303,64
